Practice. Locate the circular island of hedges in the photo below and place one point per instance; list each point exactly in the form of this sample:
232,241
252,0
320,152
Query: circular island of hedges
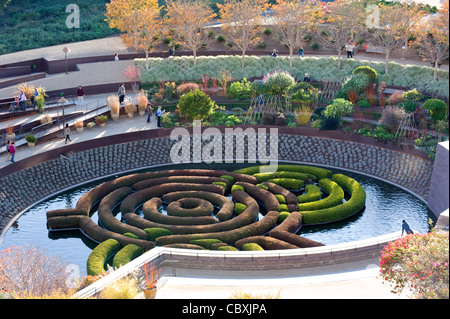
209,209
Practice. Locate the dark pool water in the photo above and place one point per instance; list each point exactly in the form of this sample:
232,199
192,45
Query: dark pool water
386,207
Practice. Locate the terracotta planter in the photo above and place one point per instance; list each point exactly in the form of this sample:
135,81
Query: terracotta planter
130,115
115,117
150,293
101,124
141,113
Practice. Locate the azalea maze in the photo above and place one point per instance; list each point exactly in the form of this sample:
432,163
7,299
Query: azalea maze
247,209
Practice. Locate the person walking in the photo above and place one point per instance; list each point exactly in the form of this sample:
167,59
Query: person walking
8,156
22,101
301,52
121,93
67,133
12,151
116,57
149,112
80,94
406,228
158,114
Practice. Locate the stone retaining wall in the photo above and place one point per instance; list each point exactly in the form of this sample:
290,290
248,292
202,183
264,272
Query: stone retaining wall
27,186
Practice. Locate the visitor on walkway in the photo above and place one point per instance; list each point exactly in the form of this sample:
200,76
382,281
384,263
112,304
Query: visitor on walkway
67,132
80,94
22,101
158,114
121,93
349,49
36,95
172,51
12,151
406,228
301,52
149,112
8,156
307,78
116,57
260,100
274,53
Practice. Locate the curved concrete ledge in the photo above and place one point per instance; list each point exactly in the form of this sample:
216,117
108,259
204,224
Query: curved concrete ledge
248,261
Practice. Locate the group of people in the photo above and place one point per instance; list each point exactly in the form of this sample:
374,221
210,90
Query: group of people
20,101
275,53
350,48
10,151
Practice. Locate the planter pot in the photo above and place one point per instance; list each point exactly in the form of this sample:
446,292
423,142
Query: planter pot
79,130
31,144
10,137
115,117
101,124
150,293
130,115
141,113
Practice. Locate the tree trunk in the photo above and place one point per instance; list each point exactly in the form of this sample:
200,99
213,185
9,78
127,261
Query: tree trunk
291,49
339,59
243,59
194,51
435,69
146,59
386,63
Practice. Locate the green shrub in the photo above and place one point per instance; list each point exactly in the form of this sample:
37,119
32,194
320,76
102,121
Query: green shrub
228,177
205,243
156,232
283,216
31,138
335,197
283,208
195,105
220,184
262,186
126,254
280,198
227,248
100,254
264,177
312,193
241,89
437,108
131,235
412,95
239,208
352,206
278,81
251,247
289,183
367,71
318,172
236,188
364,103
338,108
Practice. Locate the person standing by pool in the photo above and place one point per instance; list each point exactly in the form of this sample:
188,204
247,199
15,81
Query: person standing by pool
406,228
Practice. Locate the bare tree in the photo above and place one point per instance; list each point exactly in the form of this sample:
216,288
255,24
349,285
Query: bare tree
434,37
241,21
293,19
391,31
188,18
31,271
339,23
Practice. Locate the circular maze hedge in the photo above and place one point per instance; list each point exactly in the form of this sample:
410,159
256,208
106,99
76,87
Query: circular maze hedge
248,209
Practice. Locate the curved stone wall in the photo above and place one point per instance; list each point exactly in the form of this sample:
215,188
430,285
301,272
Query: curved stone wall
49,173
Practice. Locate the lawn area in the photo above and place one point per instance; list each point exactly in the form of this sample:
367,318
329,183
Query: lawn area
30,24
